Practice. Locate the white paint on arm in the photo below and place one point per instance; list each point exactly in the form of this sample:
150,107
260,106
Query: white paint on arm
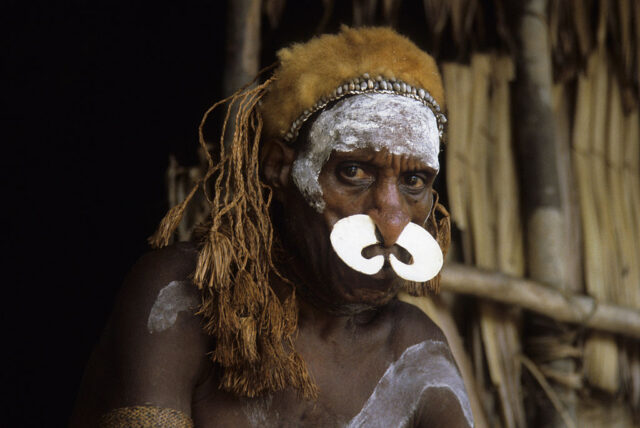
176,297
258,411
397,396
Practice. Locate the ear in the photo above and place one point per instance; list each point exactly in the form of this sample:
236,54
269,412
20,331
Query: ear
276,159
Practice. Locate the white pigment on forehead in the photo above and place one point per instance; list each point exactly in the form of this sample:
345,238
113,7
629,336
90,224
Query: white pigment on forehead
398,394
176,297
398,124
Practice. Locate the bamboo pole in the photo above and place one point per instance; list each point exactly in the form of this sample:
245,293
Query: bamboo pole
534,296
243,44
540,175
242,59
364,12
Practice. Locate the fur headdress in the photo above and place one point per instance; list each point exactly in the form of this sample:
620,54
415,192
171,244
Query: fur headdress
328,67
253,329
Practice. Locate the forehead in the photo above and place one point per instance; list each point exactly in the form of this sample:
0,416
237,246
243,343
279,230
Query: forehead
379,122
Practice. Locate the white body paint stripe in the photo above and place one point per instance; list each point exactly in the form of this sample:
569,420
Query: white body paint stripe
398,393
172,299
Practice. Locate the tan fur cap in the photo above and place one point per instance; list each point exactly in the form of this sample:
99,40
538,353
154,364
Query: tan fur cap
310,71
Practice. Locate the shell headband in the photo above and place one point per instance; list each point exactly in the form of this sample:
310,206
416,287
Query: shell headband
365,85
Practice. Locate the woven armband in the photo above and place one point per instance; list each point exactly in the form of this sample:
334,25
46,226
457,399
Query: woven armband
145,417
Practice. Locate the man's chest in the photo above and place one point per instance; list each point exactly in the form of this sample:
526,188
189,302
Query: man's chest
373,393
343,390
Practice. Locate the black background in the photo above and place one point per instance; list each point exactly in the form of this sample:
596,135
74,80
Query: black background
95,97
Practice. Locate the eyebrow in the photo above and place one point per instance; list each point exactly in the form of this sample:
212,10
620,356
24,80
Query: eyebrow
368,156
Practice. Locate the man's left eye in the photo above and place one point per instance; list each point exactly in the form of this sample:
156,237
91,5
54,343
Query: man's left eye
413,181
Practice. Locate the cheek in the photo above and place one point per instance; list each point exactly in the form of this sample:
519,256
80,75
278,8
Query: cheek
421,208
340,201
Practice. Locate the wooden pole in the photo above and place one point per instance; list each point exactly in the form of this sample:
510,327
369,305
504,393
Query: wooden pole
243,43
242,56
536,297
546,240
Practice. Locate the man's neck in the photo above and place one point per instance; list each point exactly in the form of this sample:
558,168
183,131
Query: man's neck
317,311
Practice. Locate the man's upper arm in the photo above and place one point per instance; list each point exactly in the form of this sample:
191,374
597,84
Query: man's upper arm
443,407
434,375
153,351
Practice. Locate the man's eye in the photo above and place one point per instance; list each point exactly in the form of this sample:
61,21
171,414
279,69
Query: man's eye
413,181
353,171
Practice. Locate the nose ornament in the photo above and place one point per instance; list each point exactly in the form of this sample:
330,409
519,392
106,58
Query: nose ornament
350,235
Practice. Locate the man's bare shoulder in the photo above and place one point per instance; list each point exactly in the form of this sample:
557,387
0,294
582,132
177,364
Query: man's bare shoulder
164,274
153,350
411,326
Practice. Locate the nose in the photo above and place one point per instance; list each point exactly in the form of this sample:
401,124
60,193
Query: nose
389,212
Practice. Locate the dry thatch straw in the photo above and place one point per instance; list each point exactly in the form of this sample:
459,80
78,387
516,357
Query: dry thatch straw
601,355
483,197
508,228
601,264
458,83
610,414
631,191
568,189
553,397
631,200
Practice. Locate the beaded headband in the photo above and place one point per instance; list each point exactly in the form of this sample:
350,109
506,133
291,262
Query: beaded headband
363,85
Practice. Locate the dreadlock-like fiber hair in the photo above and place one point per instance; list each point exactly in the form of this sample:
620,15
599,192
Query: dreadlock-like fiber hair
253,329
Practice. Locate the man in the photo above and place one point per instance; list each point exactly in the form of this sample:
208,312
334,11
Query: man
297,295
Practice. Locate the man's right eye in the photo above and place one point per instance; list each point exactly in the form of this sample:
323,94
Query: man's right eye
353,172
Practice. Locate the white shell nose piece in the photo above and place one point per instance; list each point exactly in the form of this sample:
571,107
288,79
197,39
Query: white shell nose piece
349,236
427,256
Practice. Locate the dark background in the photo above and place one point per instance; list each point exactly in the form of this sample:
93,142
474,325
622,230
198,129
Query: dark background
95,97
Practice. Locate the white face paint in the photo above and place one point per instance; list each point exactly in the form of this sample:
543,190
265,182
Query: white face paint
400,125
352,234
397,396
172,299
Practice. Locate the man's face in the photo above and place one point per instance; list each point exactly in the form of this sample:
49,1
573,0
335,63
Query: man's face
393,190
379,177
